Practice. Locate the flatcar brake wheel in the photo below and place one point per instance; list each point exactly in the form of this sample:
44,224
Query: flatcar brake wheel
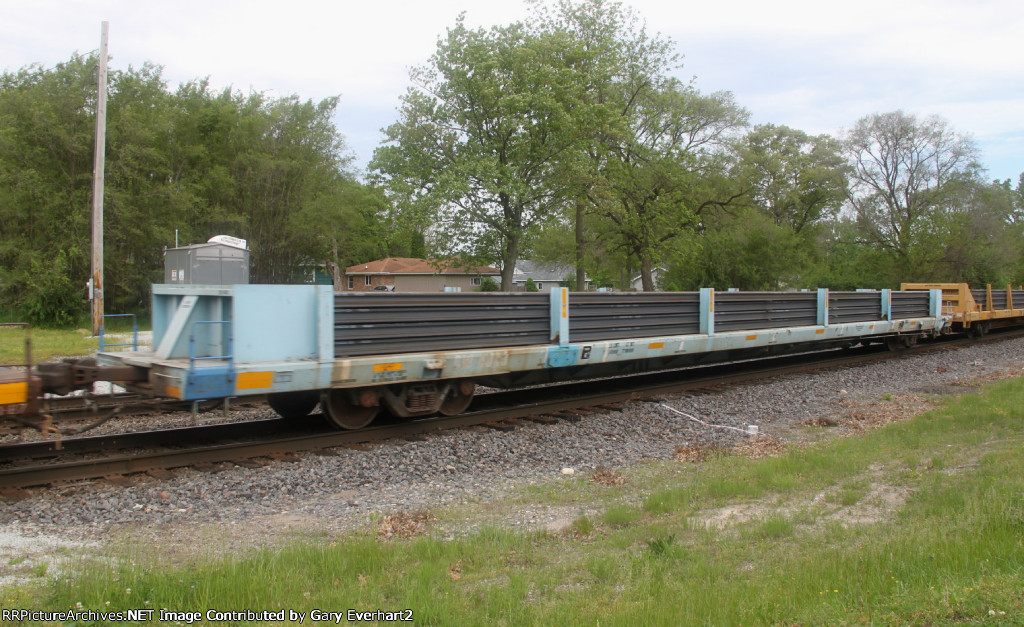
293,405
345,414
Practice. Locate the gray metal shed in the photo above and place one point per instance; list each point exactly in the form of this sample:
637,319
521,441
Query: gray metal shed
212,263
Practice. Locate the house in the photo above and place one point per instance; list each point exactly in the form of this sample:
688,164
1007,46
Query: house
637,284
404,274
544,275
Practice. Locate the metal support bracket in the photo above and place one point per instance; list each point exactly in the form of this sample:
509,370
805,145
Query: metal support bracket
823,306
560,315
176,326
707,310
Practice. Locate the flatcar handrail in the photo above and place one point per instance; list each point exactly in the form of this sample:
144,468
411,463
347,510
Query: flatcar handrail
229,356
135,333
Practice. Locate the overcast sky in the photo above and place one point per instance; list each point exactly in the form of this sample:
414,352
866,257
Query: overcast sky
814,65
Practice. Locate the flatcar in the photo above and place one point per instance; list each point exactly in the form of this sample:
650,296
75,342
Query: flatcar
19,387
977,311
418,354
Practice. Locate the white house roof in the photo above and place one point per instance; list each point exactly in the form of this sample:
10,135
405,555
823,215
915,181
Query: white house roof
537,271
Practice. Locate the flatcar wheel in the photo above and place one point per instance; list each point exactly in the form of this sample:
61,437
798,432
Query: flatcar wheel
343,413
293,405
901,342
460,398
895,343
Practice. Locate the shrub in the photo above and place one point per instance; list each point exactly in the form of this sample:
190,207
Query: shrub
49,299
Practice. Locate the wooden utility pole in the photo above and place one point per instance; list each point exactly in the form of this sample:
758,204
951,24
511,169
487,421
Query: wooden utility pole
97,186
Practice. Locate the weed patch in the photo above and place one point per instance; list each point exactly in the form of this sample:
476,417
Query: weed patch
607,477
403,525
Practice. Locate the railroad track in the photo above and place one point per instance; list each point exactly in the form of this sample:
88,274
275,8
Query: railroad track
72,415
20,466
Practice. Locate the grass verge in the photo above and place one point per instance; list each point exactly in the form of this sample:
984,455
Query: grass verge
51,343
917,522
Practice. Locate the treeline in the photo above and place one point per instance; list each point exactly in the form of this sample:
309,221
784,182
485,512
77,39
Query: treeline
568,137
565,138
181,164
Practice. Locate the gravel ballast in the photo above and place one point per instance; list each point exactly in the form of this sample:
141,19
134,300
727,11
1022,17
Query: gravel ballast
341,489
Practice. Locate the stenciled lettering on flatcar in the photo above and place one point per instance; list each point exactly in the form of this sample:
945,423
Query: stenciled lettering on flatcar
493,361
388,376
621,348
392,371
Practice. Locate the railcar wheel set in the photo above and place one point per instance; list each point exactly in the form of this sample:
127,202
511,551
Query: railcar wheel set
422,354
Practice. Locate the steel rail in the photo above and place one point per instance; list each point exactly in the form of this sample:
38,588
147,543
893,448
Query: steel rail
176,436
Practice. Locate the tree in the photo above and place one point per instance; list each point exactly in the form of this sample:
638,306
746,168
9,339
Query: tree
291,159
46,138
141,205
619,63
745,249
667,168
481,136
905,174
654,144
981,239
794,178
271,170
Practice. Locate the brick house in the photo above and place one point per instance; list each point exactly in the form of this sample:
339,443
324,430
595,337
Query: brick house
404,274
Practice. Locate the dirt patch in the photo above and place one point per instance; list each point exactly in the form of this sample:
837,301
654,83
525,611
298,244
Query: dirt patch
526,517
699,453
607,477
863,416
403,525
759,448
821,421
721,518
949,389
756,448
999,375
880,503
183,543
26,558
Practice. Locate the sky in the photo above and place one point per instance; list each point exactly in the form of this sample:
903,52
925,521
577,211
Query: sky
813,65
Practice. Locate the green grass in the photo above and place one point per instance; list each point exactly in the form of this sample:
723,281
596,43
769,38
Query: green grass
48,344
815,542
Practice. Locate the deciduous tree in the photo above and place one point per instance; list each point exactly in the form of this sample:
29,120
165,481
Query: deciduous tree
667,168
482,137
795,178
906,173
